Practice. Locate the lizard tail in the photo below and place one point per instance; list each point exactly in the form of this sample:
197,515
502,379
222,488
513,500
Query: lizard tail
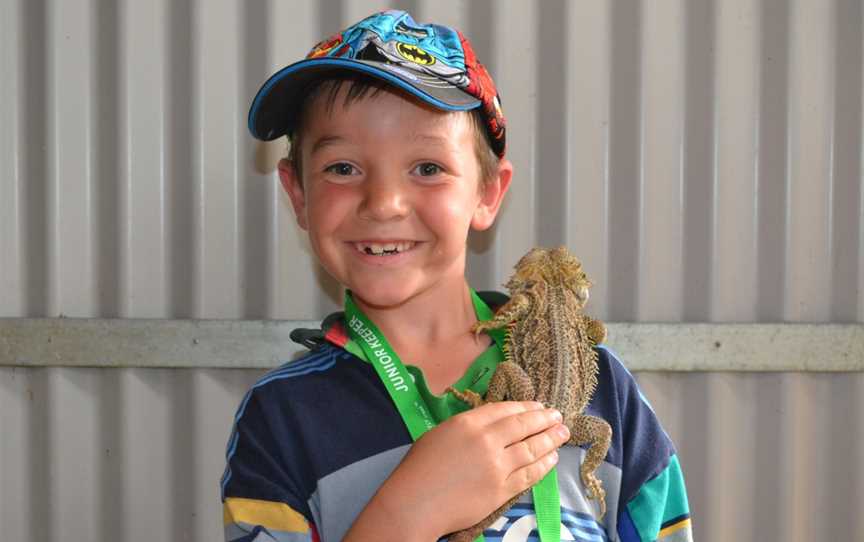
471,533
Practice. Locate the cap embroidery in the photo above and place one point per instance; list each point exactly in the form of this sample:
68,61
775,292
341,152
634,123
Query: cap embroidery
415,54
325,46
403,28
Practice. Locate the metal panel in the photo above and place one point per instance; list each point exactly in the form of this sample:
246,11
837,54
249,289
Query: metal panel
767,456
731,185
702,157
120,454
135,454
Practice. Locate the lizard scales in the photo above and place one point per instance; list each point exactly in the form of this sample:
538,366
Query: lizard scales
563,358
549,358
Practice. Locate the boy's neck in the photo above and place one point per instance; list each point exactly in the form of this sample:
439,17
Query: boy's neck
427,323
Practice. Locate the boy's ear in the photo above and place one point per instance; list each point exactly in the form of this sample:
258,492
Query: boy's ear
492,194
293,185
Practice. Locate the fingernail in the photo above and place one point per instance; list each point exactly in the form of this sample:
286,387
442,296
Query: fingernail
564,431
556,415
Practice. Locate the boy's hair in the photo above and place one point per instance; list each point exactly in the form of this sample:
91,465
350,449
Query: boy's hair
362,86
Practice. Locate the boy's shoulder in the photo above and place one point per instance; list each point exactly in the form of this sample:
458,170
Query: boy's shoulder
323,372
615,382
291,393
318,413
323,357
328,378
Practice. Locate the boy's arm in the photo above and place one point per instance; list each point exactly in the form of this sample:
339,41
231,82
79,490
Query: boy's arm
459,472
263,502
660,510
253,520
260,501
654,497
385,519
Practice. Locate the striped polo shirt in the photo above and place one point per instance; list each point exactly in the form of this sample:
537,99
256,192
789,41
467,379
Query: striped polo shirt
314,439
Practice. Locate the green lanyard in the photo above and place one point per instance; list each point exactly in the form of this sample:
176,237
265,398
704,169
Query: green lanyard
417,416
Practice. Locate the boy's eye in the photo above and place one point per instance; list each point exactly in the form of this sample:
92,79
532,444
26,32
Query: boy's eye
342,168
427,169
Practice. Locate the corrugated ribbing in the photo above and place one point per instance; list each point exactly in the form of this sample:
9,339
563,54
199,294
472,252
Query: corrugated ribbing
136,454
703,158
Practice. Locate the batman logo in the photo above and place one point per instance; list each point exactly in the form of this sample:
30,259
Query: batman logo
415,54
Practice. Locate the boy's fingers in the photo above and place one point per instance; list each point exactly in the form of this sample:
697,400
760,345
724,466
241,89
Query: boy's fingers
526,477
522,425
531,449
494,412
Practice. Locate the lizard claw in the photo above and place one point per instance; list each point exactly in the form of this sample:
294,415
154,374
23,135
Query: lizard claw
478,328
468,396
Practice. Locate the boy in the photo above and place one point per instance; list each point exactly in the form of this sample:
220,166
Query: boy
397,150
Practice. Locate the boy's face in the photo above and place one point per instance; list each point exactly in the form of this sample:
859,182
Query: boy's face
389,174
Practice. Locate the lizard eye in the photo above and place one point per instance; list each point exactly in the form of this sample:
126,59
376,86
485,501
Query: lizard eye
530,283
582,295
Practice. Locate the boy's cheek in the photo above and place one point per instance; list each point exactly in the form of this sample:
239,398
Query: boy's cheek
463,211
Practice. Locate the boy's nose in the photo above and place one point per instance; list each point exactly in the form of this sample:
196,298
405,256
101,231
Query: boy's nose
384,200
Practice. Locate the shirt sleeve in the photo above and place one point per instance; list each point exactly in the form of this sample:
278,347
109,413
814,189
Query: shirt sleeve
654,496
254,520
260,501
660,510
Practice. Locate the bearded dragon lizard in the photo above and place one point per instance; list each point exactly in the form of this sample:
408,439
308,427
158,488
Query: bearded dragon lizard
549,358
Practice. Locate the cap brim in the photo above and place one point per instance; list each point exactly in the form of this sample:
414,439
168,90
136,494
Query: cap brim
273,112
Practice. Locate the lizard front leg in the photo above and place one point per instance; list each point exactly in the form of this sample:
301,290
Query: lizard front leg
511,311
595,329
595,431
509,380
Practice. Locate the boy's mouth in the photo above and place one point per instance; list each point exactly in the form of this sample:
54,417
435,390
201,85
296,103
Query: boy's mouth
384,249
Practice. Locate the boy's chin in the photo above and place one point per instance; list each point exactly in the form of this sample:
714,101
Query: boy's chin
381,298
386,295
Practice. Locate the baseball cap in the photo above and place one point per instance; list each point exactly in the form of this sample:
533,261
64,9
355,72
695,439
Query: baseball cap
435,63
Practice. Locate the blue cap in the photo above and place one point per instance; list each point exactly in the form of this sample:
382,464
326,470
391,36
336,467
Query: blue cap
432,62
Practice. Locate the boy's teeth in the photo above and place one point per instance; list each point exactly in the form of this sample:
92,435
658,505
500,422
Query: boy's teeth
382,248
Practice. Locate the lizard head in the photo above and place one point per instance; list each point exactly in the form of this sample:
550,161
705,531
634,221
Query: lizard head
550,267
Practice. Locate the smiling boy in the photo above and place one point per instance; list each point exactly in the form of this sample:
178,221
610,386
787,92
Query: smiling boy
397,151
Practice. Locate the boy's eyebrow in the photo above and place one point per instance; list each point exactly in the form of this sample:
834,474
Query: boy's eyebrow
324,141
327,140
430,139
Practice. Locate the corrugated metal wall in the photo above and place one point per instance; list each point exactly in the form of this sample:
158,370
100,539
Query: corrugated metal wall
702,158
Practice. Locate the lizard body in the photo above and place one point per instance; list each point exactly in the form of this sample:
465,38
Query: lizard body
549,358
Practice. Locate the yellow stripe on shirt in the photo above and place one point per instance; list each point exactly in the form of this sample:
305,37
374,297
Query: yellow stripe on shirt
272,515
673,528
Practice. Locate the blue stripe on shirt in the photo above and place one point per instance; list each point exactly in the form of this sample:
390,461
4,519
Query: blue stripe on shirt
317,362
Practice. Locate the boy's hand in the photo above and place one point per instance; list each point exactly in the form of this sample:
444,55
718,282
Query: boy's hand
461,471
